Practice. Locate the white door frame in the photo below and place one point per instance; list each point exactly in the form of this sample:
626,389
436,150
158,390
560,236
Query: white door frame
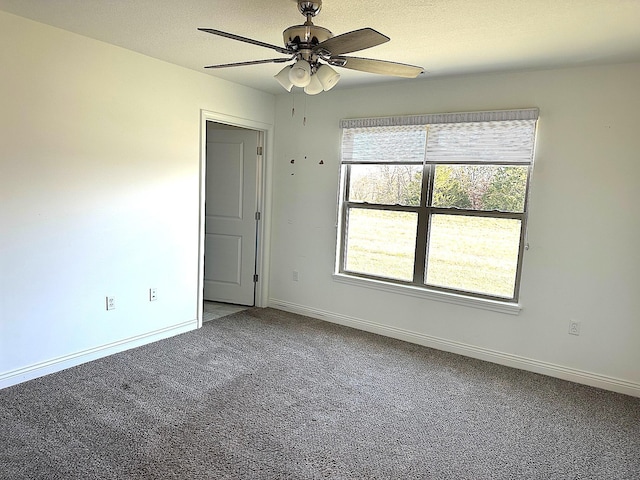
265,132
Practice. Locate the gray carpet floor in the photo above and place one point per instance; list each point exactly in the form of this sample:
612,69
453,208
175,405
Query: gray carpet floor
264,394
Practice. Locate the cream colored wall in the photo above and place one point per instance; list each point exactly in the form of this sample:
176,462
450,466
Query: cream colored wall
584,228
99,186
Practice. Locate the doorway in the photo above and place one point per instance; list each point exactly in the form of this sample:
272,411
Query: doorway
231,214
232,228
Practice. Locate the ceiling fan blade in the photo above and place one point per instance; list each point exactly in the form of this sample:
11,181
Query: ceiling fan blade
351,42
250,62
246,40
381,67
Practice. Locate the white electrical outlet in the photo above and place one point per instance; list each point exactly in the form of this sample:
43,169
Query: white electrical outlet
153,294
295,276
111,303
574,327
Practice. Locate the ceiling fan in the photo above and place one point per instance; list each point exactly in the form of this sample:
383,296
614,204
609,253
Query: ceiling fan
314,50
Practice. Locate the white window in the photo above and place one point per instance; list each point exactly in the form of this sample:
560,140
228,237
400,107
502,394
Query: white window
437,201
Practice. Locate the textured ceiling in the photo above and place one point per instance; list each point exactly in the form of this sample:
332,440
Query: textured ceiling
444,36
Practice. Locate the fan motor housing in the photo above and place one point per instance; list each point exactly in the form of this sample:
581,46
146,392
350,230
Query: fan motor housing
305,36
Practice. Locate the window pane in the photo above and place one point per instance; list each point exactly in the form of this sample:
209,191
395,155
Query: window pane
386,184
381,243
480,187
476,254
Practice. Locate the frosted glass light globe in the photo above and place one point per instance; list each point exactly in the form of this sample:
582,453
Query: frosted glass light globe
283,78
300,73
314,87
328,77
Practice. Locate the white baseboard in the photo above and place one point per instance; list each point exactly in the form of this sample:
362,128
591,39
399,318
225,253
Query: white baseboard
30,372
494,356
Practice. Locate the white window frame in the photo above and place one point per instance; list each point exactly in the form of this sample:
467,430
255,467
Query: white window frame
416,288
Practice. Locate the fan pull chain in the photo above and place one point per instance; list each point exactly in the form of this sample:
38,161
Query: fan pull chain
304,118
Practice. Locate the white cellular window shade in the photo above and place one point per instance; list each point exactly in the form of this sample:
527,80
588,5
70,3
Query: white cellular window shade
496,137
494,142
384,144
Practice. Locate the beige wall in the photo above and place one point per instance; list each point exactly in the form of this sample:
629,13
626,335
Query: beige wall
99,186
584,228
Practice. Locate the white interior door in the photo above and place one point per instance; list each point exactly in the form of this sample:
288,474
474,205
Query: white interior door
230,215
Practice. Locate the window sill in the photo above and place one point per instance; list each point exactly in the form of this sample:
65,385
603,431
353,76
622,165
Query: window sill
482,303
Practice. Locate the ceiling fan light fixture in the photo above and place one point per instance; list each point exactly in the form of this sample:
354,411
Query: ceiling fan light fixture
300,73
328,77
314,87
283,78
